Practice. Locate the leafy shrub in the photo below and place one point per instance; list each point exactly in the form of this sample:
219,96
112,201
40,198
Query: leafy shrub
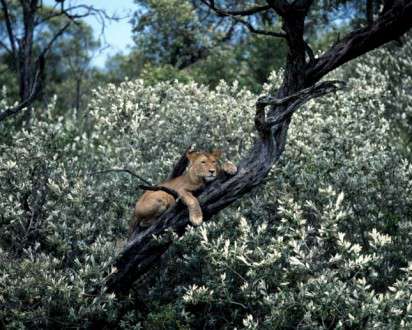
324,243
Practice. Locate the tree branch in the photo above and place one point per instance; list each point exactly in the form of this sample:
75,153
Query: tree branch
246,12
52,40
2,44
258,31
300,98
389,26
369,11
36,88
9,28
122,170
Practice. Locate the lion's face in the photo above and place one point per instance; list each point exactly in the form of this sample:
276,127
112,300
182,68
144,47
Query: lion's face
204,165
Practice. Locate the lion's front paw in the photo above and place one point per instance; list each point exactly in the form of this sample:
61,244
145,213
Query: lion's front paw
196,219
229,168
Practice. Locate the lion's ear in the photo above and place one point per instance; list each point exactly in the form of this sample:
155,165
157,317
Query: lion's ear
217,153
191,155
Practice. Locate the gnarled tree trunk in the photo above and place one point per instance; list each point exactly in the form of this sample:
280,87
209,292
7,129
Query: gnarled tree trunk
301,83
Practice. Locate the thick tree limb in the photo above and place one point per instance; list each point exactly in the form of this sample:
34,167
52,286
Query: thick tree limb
390,26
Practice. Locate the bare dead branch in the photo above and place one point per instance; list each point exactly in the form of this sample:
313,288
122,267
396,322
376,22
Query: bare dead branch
69,13
294,101
121,170
310,92
298,99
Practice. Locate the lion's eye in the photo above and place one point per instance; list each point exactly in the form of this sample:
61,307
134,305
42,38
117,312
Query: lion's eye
203,162
214,162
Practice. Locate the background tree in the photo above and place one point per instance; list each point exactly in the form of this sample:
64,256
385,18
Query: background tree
25,23
184,37
71,60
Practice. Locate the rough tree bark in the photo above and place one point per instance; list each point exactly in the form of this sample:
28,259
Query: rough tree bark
300,84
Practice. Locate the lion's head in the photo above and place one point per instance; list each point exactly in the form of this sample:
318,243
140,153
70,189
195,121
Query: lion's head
204,164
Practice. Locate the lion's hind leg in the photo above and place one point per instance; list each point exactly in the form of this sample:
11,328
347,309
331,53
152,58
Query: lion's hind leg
149,207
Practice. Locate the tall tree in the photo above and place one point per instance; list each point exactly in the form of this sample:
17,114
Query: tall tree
22,23
301,82
184,36
71,59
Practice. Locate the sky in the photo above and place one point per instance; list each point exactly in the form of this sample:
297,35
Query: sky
117,34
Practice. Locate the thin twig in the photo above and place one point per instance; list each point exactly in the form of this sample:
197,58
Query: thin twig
121,170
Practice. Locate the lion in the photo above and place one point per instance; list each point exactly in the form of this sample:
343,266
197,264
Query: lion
203,167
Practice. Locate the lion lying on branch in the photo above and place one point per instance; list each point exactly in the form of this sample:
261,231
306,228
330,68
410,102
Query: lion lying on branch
203,167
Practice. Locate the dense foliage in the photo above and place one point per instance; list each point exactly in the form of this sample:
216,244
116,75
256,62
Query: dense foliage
324,243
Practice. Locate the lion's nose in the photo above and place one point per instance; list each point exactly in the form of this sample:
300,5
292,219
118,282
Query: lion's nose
212,171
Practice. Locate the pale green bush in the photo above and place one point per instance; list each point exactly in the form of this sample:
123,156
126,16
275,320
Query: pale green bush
323,243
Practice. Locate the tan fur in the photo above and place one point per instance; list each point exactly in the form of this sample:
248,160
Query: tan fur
203,167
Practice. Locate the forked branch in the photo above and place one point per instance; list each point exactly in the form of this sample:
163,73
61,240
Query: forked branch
234,14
